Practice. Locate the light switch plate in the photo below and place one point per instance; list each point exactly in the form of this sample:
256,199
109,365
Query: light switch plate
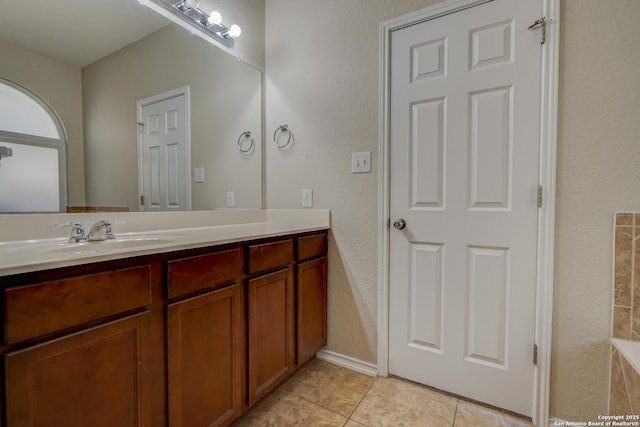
307,198
361,162
198,174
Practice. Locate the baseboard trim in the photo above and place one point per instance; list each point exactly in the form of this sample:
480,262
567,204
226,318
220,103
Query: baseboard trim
348,362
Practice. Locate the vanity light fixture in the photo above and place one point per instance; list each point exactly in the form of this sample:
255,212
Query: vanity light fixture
187,5
5,152
209,23
214,18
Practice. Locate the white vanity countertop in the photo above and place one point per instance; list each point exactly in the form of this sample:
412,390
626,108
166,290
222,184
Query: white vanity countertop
141,234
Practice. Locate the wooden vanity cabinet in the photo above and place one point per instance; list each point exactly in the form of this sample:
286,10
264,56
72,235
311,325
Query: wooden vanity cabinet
270,316
182,339
287,309
312,308
76,352
311,295
95,377
205,340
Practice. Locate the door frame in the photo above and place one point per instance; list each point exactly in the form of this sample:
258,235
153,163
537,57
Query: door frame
547,179
183,90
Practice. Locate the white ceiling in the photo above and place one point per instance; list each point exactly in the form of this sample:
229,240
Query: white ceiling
78,32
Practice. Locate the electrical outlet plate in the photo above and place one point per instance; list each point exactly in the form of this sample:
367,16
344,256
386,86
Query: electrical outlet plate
307,198
361,162
231,199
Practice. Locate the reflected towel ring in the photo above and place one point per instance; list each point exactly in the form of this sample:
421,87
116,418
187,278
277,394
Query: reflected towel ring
245,135
276,136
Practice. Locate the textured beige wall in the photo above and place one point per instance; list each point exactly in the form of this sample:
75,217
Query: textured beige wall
225,101
322,80
598,174
61,86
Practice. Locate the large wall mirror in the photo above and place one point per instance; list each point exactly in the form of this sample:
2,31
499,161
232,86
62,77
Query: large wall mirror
96,64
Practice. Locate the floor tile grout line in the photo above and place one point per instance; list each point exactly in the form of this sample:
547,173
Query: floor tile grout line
317,405
348,417
364,395
302,397
455,413
323,407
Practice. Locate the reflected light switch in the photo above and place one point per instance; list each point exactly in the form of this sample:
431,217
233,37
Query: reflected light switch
361,162
198,174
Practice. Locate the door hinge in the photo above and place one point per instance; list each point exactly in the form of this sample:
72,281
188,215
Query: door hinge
542,22
539,196
535,354
142,200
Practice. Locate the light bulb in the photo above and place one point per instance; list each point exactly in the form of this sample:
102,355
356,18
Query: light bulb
215,18
193,4
234,31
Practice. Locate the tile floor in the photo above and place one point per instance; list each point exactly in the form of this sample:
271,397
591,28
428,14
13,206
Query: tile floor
325,395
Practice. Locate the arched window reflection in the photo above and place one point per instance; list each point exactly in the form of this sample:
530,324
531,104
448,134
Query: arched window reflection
33,178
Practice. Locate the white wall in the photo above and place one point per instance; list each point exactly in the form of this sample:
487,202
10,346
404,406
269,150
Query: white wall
322,80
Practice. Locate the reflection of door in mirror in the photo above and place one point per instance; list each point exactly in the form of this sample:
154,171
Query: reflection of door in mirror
163,151
33,178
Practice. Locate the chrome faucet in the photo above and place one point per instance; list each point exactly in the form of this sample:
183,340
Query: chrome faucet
102,230
77,231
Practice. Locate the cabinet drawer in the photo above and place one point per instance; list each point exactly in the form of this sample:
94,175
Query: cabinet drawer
42,308
312,246
203,271
270,255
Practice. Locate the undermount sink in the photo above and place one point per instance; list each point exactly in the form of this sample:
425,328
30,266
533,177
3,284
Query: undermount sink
65,248
105,245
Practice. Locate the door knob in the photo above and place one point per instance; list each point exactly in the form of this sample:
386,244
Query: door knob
399,223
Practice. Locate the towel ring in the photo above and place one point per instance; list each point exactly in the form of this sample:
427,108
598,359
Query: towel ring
276,136
245,135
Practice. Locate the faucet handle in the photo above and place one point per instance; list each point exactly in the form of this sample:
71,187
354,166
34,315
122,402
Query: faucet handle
108,230
103,226
77,232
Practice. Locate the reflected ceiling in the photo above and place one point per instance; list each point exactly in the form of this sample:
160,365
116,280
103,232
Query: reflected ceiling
106,26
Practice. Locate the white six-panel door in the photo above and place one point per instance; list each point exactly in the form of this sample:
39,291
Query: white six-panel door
164,153
464,139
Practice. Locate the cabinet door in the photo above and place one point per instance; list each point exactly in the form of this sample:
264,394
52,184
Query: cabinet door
271,332
96,378
312,308
206,358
